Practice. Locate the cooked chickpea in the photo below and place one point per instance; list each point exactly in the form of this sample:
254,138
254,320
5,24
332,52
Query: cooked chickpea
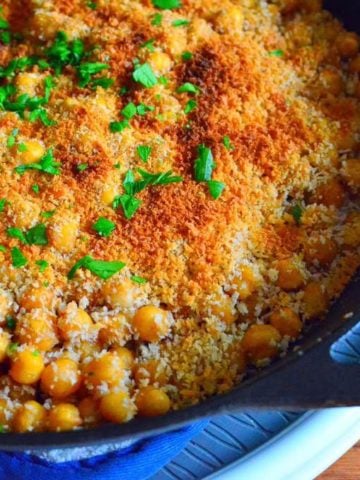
74,323
314,301
286,322
62,417
109,369
32,152
27,83
230,20
160,62
331,81
114,330
37,328
351,230
151,323
6,410
63,234
347,44
150,371
26,367
329,194
117,407
322,251
245,283
152,402
261,342
61,378
220,306
5,303
126,356
290,276
351,173
4,343
120,293
30,417
37,297
89,410
26,213
108,194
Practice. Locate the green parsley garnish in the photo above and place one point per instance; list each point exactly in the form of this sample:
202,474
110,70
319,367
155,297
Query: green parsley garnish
12,348
10,322
167,4
180,23
62,52
144,74
100,268
188,88
48,214
204,164
190,106
139,280
149,44
129,204
123,91
103,82
186,56
43,264
35,188
3,202
117,127
34,236
87,70
12,138
15,232
81,167
92,5
129,111
2,249
143,109
144,152
117,165
297,212
277,53
104,227
22,147
215,188
47,164
36,353
227,143
157,19
18,258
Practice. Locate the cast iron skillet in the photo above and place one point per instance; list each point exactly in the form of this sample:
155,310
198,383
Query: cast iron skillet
304,379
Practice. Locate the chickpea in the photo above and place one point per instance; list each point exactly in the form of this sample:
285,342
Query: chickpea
151,323
4,343
62,417
331,81
160,62
5,412
290,276
126,356
108,194
5,304
351,231
245,284
109,369
89,410
230,20
261,342
286,322
347,44
32,153
320,251
26,367
37,328
314,301
63,234
37,297
117,407
151,372
152,402
27,83
74,323
61,378
329,194
30,417
351,173
114,330
221,306
120,294
26,213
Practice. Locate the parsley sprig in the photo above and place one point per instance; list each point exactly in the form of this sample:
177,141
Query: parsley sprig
101,268
34,236
47,164
203,170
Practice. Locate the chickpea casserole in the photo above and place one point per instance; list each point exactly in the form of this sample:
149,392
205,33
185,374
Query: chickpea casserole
178,198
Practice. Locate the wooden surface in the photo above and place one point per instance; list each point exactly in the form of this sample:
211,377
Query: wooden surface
347,468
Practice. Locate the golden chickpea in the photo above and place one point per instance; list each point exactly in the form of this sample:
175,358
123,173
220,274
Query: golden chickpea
286,322
114,331
26,367
351,231
61,378
126,356
151,323
37,328
347,44
117,407
230,20
37,297
120,293
322,251
26,213
108,369
261,342
245,284
150,371
62,417
160,62
6,410
63,234
109,193
4,343
330,194
152,402
30,417
27,83
221,306
74,323
290,276
351,173
314,301
89,410
331,81
33,151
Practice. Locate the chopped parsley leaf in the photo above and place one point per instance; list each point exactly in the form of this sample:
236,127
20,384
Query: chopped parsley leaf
91,5
22,147
215,188
3,202
129,111
180,23
101,268
123,91
190,106
42,264
12,348
35,188
227,143
37,235
117,165
297,212
167,4
10,322
149,44
2,249
129,204
277,53
104,227
139,280
47,164
144,75
18,258
186,56
144,152
103,82
117,127
81,167
188,88
204,164
143,109
48,214
15,232
87,69
157,19
163,80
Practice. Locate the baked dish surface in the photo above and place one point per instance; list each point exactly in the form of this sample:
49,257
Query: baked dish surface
178,198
